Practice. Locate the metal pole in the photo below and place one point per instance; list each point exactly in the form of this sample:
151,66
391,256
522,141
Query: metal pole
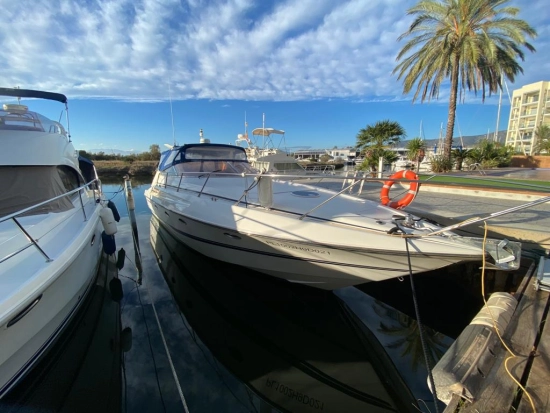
32,240
130,203
498,115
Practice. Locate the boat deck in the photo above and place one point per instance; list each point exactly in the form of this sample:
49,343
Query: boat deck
450,205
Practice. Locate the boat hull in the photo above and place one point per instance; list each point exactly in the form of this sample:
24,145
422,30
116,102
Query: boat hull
321,265
27,340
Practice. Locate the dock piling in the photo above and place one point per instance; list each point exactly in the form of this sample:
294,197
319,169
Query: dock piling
130,204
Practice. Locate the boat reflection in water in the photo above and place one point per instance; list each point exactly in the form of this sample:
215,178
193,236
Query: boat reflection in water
295,348
83,371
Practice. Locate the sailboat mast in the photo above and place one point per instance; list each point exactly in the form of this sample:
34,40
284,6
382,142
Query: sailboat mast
440,142
263,130
172,114
495,138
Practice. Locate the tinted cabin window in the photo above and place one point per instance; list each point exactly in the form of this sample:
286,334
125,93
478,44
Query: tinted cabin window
69,177
22,187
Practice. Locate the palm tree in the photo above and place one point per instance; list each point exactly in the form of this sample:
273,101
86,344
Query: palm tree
490,154
474,43
542,140
459,155
374,141
416,151
406,332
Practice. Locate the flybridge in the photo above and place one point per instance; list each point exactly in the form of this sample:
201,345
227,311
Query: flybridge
24,114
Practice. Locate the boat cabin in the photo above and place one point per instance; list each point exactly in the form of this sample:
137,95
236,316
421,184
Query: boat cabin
205,158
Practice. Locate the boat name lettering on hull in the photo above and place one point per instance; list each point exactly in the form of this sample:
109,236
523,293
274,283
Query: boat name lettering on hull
296,247
296,395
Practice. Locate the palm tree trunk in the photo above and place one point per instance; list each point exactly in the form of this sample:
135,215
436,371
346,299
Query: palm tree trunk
452,108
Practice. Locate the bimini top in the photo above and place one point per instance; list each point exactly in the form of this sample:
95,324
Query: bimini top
27,93
267,132
201,152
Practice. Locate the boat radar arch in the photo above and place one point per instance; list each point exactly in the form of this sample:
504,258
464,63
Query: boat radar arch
13,108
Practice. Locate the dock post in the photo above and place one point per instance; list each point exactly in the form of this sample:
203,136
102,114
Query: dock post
130,203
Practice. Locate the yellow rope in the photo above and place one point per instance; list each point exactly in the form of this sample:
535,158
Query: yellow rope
496,328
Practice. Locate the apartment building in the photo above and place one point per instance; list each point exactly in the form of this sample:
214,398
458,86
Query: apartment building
530,108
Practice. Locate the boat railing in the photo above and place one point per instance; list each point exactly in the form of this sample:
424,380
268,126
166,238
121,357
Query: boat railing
357,180
324,169
93,185
165,175
476,167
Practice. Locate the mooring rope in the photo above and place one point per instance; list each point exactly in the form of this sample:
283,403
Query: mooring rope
421,329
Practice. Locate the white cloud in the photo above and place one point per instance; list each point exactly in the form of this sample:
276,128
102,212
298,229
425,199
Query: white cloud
233,49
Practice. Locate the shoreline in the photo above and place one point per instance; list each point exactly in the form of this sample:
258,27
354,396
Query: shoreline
117,169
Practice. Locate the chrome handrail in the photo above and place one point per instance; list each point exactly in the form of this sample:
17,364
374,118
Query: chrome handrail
355,180
166,175
32,241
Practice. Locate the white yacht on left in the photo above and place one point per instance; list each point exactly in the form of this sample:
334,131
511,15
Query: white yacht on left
50,231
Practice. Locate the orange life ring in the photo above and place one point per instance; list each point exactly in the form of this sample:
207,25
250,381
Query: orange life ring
409,196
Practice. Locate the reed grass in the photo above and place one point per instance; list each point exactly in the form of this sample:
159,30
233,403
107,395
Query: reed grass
121,168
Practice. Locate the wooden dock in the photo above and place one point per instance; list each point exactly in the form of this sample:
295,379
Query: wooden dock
529,340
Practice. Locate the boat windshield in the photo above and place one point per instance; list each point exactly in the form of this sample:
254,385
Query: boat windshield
215,166
206,158
215,152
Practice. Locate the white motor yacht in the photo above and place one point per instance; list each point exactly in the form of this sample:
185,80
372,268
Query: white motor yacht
265,156
402,162
210,198
50,232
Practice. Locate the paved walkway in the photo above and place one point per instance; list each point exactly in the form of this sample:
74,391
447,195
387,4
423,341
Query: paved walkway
449,205
529,225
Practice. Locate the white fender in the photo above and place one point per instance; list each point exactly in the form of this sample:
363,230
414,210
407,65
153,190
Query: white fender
108,221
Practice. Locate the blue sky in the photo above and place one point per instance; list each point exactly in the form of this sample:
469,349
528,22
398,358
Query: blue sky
318,69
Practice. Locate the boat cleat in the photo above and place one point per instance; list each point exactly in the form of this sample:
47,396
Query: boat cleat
407,221
505,253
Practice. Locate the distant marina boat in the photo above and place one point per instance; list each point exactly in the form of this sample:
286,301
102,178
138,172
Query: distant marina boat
402,162
266,157
211,198
50,232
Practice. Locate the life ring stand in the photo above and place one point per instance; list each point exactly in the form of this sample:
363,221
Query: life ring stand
409,196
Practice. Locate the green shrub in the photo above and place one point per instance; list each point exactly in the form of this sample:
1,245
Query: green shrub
440,163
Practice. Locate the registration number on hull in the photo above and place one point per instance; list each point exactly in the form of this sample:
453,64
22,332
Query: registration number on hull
298,247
